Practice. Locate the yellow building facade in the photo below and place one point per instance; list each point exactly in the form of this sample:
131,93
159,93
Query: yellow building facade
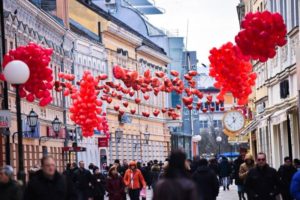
129,49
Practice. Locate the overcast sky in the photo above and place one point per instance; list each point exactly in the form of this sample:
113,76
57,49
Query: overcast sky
211,22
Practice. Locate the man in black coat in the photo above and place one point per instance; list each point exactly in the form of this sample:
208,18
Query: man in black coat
48,184
206,181
9,189
98,184
262,182
83,182
286,173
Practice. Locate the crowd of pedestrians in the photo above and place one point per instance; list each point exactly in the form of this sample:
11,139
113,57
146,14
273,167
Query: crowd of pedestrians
176,179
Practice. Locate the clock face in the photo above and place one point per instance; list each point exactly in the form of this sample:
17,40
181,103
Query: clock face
234,121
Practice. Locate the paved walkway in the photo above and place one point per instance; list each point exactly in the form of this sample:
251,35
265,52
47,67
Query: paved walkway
224,195
230,194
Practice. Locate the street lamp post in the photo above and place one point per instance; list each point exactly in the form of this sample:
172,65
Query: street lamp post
147,137
78,130
219,140
56,125
119,135
17,73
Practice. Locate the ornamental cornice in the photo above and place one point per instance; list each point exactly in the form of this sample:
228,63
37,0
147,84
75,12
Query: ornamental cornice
123,34
281,75
155,54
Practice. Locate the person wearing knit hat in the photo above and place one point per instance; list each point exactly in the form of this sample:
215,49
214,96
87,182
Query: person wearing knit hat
134,180
9,189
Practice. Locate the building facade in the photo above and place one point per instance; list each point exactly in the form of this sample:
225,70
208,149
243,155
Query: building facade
24,22
277,118
128,48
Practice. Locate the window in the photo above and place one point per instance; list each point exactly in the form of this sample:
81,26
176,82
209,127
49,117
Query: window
283,10
11,45
294,13
203,124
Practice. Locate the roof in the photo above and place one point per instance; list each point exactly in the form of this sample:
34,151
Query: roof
109,17
145,7
80,30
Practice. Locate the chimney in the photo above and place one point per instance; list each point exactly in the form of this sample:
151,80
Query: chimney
62,11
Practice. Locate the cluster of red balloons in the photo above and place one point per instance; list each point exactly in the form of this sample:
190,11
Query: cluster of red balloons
86,109
232,72
40,82
261,33
146,83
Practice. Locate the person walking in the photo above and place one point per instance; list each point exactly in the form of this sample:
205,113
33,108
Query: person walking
115,185
286,173
134,180
98,184
123,168
206,181
225,171
175,184
48,184
9,188
243,172
262,182
295,186
83,182
236,168
155,172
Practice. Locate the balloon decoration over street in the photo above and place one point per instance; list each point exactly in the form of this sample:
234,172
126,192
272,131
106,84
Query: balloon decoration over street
40,82
261,33
86,108
232,72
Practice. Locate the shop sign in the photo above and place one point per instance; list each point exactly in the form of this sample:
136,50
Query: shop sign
5,118
102,142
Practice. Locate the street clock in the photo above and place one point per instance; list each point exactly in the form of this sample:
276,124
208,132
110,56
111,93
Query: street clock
234,121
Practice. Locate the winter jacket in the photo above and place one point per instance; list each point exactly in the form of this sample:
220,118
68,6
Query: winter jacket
115,188
175,189
155,172
134,179
236,166
224,168
98,185
295,186
83,179
245,168
10,191
42,188
286,174
207,183
262,183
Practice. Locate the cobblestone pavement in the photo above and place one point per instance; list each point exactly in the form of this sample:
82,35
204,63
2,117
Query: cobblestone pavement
224,195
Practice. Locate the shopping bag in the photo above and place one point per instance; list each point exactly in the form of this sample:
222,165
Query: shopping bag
143,193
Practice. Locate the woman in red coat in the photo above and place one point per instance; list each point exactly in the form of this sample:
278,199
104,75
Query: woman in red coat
115,185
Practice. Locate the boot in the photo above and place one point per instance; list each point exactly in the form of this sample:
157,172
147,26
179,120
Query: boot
243,195
240,196
224,188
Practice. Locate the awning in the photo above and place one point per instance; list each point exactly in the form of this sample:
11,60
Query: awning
263,122
250,127
280,116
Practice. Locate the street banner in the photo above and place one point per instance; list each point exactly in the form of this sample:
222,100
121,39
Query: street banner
5,118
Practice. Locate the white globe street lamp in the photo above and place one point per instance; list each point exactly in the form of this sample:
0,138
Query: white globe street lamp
219,140
17,72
